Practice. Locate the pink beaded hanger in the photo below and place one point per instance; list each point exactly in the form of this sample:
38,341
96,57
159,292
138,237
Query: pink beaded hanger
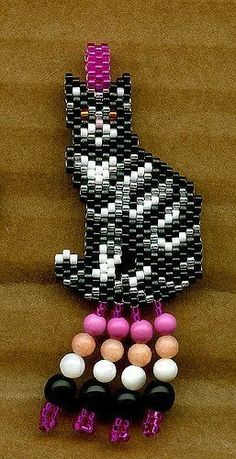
97,67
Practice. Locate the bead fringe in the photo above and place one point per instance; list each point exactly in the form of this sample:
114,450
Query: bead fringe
85,422
120,430
48,417
152,423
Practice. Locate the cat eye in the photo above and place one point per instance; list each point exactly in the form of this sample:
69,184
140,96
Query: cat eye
112,115
84,113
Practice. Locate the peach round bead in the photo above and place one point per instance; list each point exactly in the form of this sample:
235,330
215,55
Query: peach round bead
139,354
167,346
83,344
112,350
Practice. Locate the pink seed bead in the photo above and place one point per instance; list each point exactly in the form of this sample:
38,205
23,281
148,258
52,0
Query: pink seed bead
139,355
99,123
94,325
83,344
167,346
141,331
118,328
165,324
112,350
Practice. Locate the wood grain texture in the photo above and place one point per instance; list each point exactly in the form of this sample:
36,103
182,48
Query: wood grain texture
181,56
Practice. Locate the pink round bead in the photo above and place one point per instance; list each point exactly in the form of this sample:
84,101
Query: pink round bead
118,328
165,324
94,325
141,331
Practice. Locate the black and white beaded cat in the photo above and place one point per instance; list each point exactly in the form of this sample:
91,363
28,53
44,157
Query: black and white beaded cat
142,236
142,245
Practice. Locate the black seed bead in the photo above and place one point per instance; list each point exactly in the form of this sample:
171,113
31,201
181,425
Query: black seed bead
95,396
61,391
127,404
159,396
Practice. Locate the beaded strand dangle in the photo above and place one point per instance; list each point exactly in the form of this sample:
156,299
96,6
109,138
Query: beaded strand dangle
142,246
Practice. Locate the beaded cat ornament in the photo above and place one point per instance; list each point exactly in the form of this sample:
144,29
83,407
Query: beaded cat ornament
142,245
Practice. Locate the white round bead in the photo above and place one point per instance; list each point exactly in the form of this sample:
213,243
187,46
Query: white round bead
104,371
165,369
133,377
72,365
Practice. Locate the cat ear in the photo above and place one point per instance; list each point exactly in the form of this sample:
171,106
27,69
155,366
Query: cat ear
72,93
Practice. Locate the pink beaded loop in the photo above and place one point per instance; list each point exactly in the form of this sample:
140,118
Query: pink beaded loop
97,67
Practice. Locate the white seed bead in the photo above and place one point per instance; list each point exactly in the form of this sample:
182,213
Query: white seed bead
147,270
72,365
104,371
84,160
91,128
120,92
113,133
140,274
84,132
168,218
98,141
168,246
165,369
104,212
96,273
133,281
102,258
106,128
182,236
175,241
113,161
73,259
161,223
117,259
133,377
103,277
132,214
76,91
98,179
148,167
59,258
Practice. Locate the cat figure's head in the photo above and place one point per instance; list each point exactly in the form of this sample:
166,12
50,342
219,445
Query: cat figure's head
100,124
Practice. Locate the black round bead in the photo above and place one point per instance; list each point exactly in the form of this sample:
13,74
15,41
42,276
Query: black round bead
159,396
127,404
95,396
61,391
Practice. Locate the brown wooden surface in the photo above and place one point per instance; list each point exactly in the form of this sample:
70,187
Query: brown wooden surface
181,56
